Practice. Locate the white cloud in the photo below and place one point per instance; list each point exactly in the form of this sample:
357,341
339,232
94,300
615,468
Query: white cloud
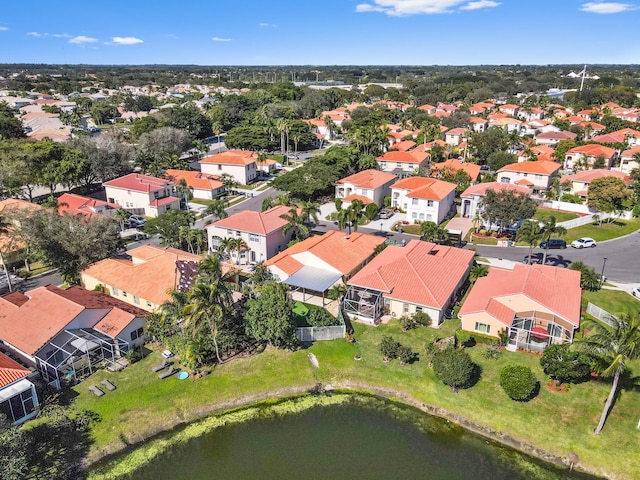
126,40
4,29
412,7
37,35
480,4
606,7
60,35
218,39
272,25
80,39
172,36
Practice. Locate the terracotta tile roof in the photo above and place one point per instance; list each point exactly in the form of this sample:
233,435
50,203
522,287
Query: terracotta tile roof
470,169
93,299
193,179
588,176
478,120
368,179
524,181
232,157
353,196
261,223
79,205
404,145
404,157
341,251
557,135
608,138
593,150
481,188
557,289
149,274
114,322
627,131
457,131
544,168
11,206
158,202
631,152
139,183
426,107
422,273
542,149
593,125
10,371
428,188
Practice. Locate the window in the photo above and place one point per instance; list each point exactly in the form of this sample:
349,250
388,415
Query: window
505,180
124,294
128,192
219,167
429,203
136,300
538,176
156,194
238,233
418,309
422,216
137,333
229,232
482,327
526,174
414,202
149,304
405,308
115,291
398,165
254,238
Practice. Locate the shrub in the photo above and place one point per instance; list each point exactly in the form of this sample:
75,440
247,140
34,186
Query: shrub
405,354
422,318
319,317
389,347
564,365
469,339
407,323
455,368
492,352
518,382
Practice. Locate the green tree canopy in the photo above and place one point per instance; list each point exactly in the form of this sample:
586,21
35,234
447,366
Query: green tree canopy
269,317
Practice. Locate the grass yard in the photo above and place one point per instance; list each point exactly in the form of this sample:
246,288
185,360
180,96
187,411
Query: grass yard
143,405
544,213
613,301
606,231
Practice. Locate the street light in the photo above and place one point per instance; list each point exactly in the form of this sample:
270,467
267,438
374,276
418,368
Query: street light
604,262
381,224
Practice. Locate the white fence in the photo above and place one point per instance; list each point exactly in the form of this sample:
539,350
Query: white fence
599,313
577,222
566,206
313,334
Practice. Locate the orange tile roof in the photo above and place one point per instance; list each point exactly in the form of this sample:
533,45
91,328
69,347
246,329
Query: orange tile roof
10,371
631,152
232,157
593,150
79,205
544,168
404,157
341,251
138,183
588,176
542,149
368,179
150,273
470,169
524,181
557,289
427,188
353,196
261,223
12,206
422,273
481,188
193,179
456,131
557,135
404,145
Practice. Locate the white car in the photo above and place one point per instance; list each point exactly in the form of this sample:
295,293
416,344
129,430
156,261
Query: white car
636,292
583,243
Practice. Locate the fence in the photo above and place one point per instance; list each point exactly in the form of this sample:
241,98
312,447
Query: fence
313,334
566,206
599,313
577,222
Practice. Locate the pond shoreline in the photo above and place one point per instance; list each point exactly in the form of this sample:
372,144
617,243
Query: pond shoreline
111,452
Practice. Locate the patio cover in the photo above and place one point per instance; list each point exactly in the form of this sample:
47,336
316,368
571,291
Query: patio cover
84,345
313,278
13,390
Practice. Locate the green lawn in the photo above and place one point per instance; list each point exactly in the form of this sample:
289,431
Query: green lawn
606,231
613,301
544,213
143,405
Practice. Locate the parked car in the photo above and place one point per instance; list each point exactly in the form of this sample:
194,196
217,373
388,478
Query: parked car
384,214
583,243
136,221
636,292
554,243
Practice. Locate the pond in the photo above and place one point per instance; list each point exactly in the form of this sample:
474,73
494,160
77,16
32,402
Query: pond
357,439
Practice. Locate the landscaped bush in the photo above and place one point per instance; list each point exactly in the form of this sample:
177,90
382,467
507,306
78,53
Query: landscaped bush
405,355
422,318
518,382
389,348
455,368
407,323
563,365
319,317
469,339
492,352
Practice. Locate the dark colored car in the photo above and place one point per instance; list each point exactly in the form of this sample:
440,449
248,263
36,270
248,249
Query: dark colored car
554,243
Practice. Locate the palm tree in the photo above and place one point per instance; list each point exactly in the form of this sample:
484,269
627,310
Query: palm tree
225,245
296,137
614,346
531,233
228,182
267,203
282,199
296,223
310,210
5,230
122,215
432,232
184,191
238,244
203,308
549,228
282,125
216,128
217,208
356,212
343,218
477,271
331,126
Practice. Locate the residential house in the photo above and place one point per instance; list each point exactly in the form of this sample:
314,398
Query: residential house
424,199
535,113
202,185
478,124
629,160
536,305
430,109
68,334
580,181
18,397
552,138
240,164
453,165
509,109
585,156
537,176
316,264
629,136
142,278
87,206
142,195
402,164
370,186
263,232
419,277
509,124
319,127
404,146
472,196
455,136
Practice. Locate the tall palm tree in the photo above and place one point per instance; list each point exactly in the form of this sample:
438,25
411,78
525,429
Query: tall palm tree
228,182
432,232
310,210
331,126
238,244
531,233
549,227
217,208
296,137
216,128
267,203
225,246
343,218
614,346
122,216
282,125
356,212
5,230
296,223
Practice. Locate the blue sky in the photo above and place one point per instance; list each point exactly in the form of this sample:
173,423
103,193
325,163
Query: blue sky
325,32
